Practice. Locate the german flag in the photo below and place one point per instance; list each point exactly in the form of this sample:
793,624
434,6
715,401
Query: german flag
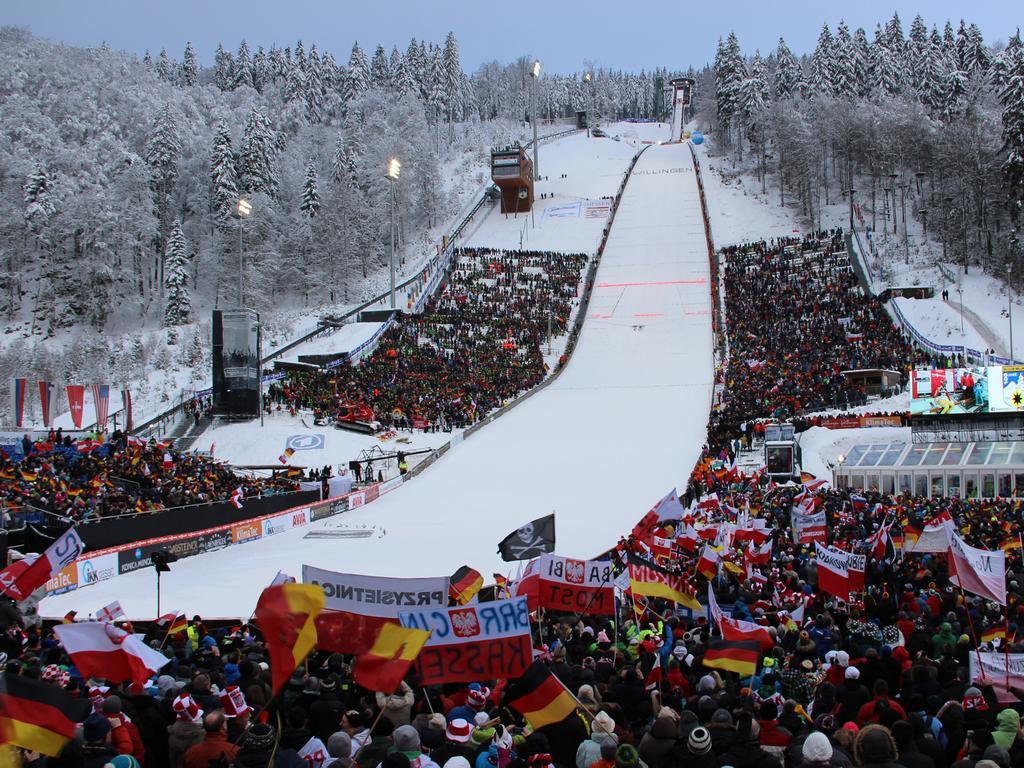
997,631
540,697
69,617
286,615
650,581
293,472
383,666
1010,544
39,716
178,624
6,474
28,477
465,583
500,585
740,656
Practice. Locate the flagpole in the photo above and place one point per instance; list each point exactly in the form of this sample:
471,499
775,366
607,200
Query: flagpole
1006,643
974,635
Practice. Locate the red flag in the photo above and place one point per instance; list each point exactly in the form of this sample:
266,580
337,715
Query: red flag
737,629
708,563
833,574
76,400
286,616
653,678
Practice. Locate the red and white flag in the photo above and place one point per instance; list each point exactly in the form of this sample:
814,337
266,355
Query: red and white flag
669,508
855,567
110,612
833,573
688,539
168,460
879,541
709,502
236,497
979,571
708,563
21,579
104,651
761,555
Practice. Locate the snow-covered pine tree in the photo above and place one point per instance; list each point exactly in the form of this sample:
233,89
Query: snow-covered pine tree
885,64
223,184
163,151
260,69
918,46
177,301
844,73
223,69
243,71
164,67
189,66
789,74
999,71
315,91
730,72
256,171
39,207
1011,97
977,56
395,66
415,69
295,84
862,73
359,72
452,74
934,83
310,204
822,79
147,60
380,72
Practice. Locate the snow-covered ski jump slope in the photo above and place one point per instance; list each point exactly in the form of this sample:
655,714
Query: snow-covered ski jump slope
623,424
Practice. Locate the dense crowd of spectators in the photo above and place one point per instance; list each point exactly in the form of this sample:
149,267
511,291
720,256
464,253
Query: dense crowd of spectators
87,479
477,344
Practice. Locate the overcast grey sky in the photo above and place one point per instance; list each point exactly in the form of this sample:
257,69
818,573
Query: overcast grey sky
619,35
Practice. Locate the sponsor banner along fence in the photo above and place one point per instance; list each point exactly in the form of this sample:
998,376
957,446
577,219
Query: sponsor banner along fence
105,564
481,641
856,422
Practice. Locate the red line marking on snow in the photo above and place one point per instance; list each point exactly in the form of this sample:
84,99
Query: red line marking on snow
599,317
648,314
699,281
700,312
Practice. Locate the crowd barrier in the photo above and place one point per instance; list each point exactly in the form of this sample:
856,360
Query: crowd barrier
104,564
717,311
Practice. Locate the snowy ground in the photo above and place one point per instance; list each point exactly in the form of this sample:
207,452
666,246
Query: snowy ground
820,447
623,423
342,341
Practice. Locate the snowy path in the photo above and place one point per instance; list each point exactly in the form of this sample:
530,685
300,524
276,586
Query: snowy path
992,339
621,425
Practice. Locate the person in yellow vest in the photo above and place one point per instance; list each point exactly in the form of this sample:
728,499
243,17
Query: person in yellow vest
193,638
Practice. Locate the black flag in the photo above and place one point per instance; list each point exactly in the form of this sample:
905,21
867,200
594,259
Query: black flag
530,540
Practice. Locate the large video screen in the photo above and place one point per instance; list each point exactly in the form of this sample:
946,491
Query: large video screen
236,362
981,390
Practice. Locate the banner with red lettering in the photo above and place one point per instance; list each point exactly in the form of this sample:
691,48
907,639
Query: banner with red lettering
576,586
76,400
356,606
808,529
481,641
48,401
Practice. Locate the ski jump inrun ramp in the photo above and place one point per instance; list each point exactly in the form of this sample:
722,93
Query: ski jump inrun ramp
622,425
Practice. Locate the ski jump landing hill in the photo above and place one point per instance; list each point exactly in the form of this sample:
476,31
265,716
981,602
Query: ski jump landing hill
622,424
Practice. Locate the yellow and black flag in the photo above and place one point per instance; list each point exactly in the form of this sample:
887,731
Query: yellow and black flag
38,716
464,585
540,697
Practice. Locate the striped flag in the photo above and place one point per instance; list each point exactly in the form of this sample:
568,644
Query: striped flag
383,666
540,697
47,401
1010,544
740,656
19,393
110,612
708,563
284,457
997,631
38,716
464,584
101,402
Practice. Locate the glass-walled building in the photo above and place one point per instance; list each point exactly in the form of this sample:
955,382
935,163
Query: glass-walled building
967,470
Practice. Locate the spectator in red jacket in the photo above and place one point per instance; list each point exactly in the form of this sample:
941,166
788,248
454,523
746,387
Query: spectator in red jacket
124,735
872,711
215,746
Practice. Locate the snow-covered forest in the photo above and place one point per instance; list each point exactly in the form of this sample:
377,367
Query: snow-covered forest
931,121
121,177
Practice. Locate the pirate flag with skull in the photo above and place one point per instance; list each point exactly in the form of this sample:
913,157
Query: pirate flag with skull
530,540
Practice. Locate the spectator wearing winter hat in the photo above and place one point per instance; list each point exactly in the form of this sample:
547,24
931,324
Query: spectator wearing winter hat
407,741
693,750
851,695
256,747
874,747
397,706
588,696
186,731
626,756
746,752
96,749
339,747
722,730
656,743
816,751
456,743
476,701
238,713
774,738
602,732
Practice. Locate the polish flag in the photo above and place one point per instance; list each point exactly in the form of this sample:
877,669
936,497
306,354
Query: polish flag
104,651
708,563
168,461
709,502
737,629
24,577
756,535
833,571
761,555
688,539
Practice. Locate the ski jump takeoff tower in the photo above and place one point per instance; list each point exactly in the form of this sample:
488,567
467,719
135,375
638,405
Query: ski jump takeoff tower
682,88
512,171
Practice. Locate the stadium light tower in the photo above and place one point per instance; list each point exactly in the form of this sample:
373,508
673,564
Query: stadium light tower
588,79
393,171
243,209
535,72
